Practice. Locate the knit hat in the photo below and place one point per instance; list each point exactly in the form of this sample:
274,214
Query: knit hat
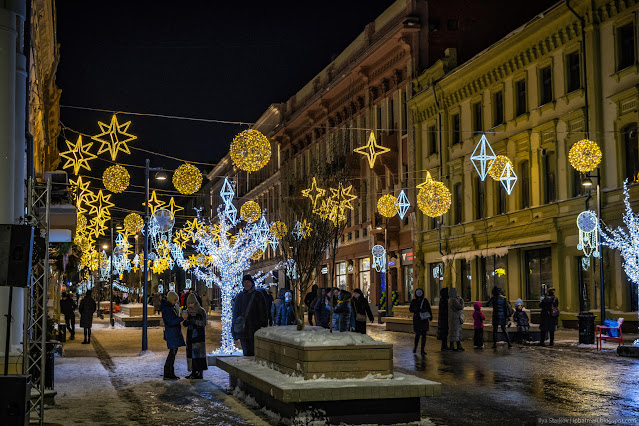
519,302
247,277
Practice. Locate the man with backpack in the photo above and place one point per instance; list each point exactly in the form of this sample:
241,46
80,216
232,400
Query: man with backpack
249,315
549,316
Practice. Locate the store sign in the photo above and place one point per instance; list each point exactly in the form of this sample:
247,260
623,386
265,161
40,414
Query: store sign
391,263
407,256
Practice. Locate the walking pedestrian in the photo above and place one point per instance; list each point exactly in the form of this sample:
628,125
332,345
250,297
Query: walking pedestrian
323,310
195,319
172,332
422,314
249,315
455,319
286,313
501,312
442,319
275,307
206,302
67,307
157,303
86,309
523,322
308,301
549,316
362,311
344,311
478,326
268,300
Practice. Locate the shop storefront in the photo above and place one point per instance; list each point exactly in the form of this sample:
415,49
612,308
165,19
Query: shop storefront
407,274
365,277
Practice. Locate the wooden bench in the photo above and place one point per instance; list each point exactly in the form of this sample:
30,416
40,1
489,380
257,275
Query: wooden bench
599,330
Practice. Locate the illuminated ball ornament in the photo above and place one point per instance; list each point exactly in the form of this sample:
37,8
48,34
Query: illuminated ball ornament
585,156
387,205
116,179
250,211
187,179
434,199
133,223
279,230
498,165
250,150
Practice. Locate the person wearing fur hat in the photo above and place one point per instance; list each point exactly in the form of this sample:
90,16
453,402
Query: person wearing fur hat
195,322
172,332
523,322
249,315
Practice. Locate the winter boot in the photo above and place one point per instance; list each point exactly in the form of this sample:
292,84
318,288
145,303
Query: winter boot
459,347
423,352
451,347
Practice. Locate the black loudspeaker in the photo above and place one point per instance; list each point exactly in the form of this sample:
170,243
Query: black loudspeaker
15,391
16,249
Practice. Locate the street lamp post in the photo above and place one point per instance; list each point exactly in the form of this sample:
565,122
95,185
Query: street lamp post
588,183
111,320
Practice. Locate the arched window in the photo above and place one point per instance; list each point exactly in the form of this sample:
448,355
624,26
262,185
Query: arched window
631,147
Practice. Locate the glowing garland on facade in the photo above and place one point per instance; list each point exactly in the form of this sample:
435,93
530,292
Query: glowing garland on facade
250,211
250,150
434,199
387,205
187,179
116,179
585,156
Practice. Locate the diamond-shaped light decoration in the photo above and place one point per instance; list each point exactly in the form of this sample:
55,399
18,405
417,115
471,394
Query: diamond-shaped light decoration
402,204
508,178
482,156
274,242
227,192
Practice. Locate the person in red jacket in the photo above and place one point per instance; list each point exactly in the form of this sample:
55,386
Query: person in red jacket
478,325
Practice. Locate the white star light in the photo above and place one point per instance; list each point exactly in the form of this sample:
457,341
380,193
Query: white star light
402,204
508,178
482,156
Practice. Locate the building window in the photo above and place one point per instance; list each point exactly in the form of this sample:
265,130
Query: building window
577,183
538,271
520,97
459,204
365,277
502,198
465,280
404,121
379,117
436,271
550,170
525,184
631,151
391,114
498,108
492,274
432,140
478,125
452,25
626,46
455,129
573,71
340,272
545,85
480,208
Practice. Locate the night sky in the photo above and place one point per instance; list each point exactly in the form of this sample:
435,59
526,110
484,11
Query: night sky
197,59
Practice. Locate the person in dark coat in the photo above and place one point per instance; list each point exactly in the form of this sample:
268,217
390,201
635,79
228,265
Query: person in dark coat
442,320
67,307
268,300
286,314
172,332
86,309
520,317
344,312
323,309
501,307
548,320
275,307
252,310
422,314
362,310
308,301
195,319
157,303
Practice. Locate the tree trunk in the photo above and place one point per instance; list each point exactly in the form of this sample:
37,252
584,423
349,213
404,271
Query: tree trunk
228,344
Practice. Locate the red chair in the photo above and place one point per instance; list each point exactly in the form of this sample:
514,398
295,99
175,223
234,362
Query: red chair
600,336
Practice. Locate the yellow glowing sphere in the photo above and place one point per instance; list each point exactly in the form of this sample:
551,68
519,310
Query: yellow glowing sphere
82,222
250,150
279,230
250,211
187,179
133,223
585,156
258,254
497,166
116,179
434,199
387,205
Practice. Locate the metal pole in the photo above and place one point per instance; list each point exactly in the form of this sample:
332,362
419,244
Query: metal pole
112,321
389,302
7,344
601,271
146,257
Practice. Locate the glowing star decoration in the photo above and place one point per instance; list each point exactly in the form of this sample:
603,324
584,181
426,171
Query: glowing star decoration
279,230
181,239
371,150
342,197
387,205
434,199
585,156
114,137
100,205
174,208
133,223
508,178
78,155
500,272
402,204
154,203
497,166
482,156
82,193
379,258
314,192
250,150
588,233
250,211
302,229
116,179
428,179
187,179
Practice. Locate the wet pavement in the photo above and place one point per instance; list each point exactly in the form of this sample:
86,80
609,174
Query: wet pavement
107,382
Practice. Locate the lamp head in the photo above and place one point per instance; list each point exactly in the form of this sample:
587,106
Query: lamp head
161,175
587,182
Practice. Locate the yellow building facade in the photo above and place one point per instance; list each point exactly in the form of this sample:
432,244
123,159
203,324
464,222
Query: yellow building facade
527,94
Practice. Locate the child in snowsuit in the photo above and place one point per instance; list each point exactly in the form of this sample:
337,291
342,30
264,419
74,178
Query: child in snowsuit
478,325
523,323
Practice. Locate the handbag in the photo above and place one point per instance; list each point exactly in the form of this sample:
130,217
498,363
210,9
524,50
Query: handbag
240,321
360,317
555,310
423,315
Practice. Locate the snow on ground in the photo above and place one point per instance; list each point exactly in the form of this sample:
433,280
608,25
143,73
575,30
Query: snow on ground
315,336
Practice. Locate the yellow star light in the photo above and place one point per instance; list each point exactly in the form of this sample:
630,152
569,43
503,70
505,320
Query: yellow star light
114,137
154,203
78,155
174,207
83,195
343,196
100,205
181,239
371,150
314,193
428,179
